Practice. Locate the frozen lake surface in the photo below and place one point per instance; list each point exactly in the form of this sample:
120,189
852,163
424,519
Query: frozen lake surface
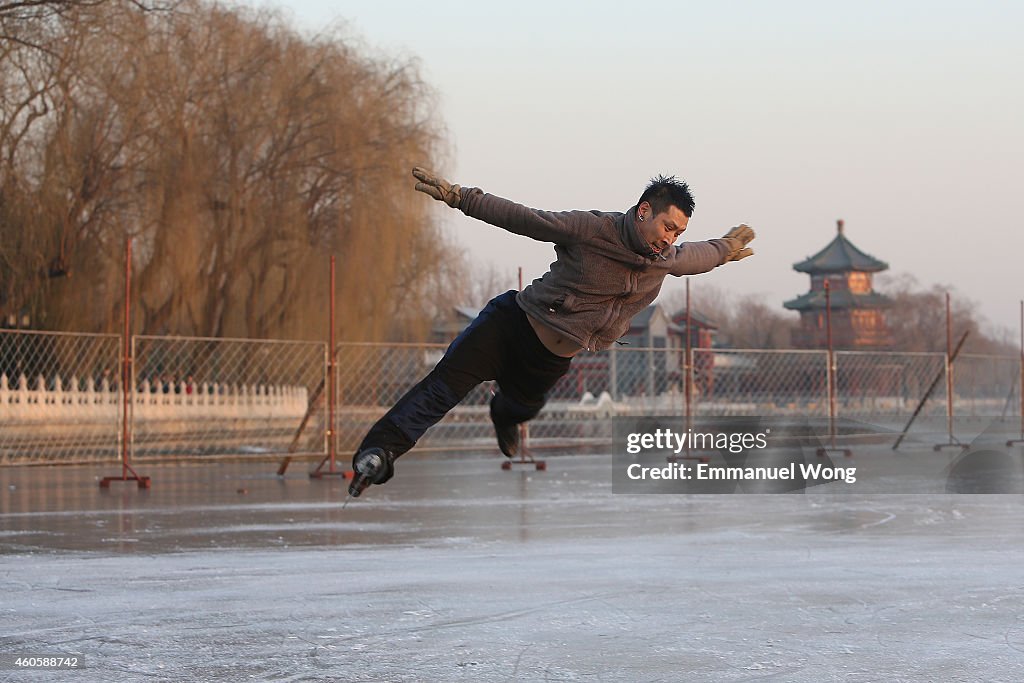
457,570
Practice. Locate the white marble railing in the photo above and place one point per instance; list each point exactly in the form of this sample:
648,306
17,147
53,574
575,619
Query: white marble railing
60,401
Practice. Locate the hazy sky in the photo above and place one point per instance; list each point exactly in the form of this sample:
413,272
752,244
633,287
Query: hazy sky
902,118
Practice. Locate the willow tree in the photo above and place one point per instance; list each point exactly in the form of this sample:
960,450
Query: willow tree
236,153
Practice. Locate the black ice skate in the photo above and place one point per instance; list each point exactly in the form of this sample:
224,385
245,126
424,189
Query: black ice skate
507,433
371,466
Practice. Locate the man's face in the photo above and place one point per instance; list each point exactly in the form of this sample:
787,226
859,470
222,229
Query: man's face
661,231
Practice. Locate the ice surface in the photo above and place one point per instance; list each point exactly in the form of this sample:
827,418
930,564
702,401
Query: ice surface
457,570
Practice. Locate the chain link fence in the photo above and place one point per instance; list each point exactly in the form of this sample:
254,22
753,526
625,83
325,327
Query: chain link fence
987,386
60,397
883,388
876,385
372,377
201,396
751,382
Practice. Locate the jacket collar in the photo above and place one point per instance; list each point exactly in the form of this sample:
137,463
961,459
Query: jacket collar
632,238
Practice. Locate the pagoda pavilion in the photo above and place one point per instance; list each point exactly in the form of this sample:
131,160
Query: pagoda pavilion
858,318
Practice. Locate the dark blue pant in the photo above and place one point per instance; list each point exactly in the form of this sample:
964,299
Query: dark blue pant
499,344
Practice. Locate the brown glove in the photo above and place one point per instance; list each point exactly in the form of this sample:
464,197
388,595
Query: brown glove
438,188
738,238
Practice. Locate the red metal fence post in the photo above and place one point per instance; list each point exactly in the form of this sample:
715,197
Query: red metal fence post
688,382
332,391
830,376
1020,387
127,383
950,384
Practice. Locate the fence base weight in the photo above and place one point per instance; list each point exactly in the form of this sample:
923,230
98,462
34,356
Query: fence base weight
127,475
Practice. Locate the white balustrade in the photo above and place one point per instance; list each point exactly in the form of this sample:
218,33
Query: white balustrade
70,400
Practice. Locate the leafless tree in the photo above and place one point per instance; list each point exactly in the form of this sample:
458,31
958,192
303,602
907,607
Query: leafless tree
917,319
237,154
742,321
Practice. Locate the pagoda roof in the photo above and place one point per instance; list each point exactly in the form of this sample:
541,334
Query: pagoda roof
841,299
840,256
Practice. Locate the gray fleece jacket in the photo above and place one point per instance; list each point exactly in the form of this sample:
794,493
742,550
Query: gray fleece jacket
604,272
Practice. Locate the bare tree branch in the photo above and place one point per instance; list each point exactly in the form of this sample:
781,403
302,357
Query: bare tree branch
238,155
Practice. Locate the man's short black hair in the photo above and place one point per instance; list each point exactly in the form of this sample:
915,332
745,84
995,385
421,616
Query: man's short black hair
665,192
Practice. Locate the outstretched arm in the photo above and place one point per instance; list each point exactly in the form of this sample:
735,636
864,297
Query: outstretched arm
559,227
699,257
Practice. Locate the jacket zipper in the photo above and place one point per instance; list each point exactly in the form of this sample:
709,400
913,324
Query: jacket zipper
616,309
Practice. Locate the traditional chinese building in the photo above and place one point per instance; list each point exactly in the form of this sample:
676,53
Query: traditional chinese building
858,312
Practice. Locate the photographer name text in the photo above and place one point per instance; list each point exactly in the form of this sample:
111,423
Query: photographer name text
708,472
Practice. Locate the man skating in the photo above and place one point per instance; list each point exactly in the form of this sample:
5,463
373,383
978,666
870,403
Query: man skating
608,268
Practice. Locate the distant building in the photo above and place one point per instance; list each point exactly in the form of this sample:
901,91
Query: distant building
447,328
646,372
703,334
858,312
